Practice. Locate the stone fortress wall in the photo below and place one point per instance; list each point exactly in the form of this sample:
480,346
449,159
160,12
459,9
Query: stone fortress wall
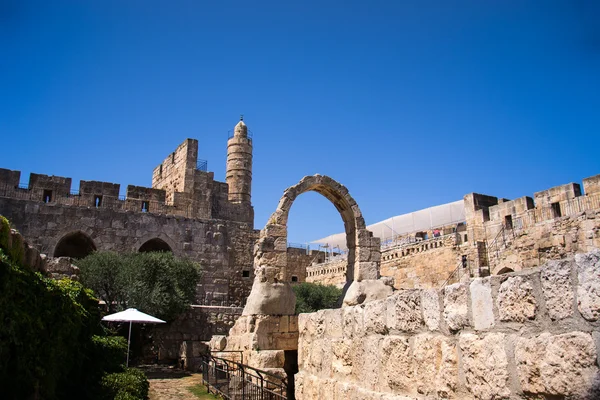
185,211
498,236
530,334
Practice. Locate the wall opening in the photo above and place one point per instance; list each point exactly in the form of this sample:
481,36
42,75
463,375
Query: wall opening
97,201
290,366
145,206
508,222
155,244
556,212
74,245
47,196
505,270
245,274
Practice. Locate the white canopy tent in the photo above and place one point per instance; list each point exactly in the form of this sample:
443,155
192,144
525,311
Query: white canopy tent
132,315
428,218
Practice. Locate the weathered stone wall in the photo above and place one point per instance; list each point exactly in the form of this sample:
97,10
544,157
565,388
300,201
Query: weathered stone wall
176,172
534,334
329,273
423,264
553,239
299,260
499,236
185,211
199,324
223,248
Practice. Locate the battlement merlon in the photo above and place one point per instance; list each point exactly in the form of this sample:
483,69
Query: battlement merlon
176,172
9,177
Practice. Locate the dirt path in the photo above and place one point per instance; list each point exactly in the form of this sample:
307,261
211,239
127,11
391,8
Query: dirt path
170,383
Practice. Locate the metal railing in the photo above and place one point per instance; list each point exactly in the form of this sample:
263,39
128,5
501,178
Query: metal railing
235,381
459,272
298,246
202,165
231,133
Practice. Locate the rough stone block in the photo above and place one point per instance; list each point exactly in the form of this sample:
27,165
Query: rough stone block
404,311
341,363
481,303
267,359
455,306
485,365
334,323
588,289
370,373
396,363
375,317
557,289
427,353
560,365
516,301
430,303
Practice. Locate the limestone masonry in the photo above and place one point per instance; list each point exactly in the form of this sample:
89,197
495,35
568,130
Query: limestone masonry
185,211
530,334
497,236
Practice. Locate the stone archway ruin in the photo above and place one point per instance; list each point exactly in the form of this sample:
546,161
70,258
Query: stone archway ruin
271,292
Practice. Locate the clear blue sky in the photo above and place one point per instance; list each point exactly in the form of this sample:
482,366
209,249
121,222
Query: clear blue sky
409,104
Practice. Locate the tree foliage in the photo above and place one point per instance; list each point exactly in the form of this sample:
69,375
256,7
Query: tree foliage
311,297
155,283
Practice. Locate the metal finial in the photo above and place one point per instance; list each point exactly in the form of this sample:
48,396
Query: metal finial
241,117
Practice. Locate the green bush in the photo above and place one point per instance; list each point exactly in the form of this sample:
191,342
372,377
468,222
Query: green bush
155,283
128,385
52,345
109,353
311,297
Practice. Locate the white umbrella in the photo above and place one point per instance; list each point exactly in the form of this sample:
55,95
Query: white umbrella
132,315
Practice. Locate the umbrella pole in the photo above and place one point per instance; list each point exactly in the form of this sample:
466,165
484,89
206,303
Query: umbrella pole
128,343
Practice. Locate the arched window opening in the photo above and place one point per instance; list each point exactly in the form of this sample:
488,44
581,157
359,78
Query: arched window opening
74,245
155,244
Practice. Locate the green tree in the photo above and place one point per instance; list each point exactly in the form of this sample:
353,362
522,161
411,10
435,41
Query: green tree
311,297
156,283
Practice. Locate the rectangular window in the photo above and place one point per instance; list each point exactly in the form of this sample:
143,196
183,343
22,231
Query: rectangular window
508,222
245,274
145,206
556,213
97,201
47,197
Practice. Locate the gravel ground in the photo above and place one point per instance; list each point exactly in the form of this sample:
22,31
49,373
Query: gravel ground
168,383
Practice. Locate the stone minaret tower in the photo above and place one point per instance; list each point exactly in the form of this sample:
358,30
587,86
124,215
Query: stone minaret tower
239,164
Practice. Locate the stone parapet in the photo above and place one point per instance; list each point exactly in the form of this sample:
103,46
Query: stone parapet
533,334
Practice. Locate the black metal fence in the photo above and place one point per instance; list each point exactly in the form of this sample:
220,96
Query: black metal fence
236,381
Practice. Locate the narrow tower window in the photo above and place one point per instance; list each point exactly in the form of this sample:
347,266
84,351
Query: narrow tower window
47,196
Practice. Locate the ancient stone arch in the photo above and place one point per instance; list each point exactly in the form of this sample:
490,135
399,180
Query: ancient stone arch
75,245
271,292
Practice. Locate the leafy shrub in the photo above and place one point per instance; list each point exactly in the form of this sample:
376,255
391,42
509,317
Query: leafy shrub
311,297
51,339
128,385
155,283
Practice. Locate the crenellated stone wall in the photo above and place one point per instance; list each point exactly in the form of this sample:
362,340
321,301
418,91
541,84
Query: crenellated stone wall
534,334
